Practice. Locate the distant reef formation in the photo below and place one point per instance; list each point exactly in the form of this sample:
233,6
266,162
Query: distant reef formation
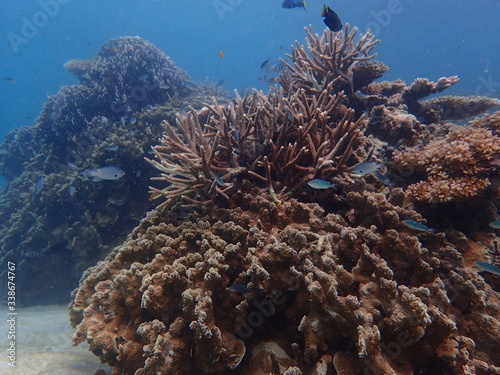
56,222
290,237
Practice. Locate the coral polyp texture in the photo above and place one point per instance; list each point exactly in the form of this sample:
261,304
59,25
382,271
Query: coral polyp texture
53,216
263,288
456,166
245,268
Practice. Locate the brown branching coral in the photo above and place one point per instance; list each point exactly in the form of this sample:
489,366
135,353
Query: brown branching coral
334,59
277,139
398,112
453,168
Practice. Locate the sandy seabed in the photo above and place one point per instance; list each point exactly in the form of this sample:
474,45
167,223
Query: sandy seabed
43,344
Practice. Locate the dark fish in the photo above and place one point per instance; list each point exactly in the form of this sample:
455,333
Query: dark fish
264,64
288,4
331,20
238,288
222,82
10,80
383,179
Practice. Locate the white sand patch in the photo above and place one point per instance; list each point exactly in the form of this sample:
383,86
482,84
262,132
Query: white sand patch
43,344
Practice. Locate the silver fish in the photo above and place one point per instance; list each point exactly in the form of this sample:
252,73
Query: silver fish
104,173
367,167
112,148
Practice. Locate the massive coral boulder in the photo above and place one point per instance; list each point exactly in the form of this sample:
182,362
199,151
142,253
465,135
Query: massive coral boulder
56,222
247,268
258,287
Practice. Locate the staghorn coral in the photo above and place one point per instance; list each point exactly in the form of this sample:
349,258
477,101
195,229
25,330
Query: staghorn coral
334,59
452,168
311,291
283,141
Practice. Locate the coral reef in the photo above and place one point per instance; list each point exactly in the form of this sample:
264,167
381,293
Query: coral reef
455,166
53,217
286,139
335,59
243,268
261,287
397,112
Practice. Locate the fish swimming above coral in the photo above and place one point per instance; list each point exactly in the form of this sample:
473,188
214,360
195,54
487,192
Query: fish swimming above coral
417,226
104,173
288,4
331,20
488,267
320,184
366,167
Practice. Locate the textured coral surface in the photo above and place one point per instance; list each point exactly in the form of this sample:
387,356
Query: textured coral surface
55,222
259,288
245,267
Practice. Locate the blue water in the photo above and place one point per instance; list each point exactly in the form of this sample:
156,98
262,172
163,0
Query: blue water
426,38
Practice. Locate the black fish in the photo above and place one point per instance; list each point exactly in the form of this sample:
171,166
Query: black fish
332,20
264,64
10,80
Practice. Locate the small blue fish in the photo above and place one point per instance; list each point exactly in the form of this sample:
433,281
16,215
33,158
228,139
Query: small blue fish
320,184
164,87
219,180
495,224
383,179
104,173
112,148
417,226
367,167
488,267
191,86
288,4
39,184
238,288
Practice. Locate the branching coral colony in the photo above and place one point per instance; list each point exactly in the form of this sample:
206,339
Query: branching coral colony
285,138
260,282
